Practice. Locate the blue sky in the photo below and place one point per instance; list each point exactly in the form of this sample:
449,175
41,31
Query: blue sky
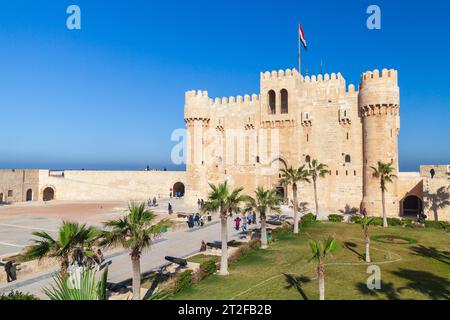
109,96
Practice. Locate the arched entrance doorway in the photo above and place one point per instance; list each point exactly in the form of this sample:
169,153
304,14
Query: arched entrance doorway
48,194
178,190
29,195
412,206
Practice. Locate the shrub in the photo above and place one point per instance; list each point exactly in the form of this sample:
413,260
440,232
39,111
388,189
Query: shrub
442,225
208,268
244,250
395,222
335,218
184,281
279,233
16,295
308,219
409,223
377,221
356,219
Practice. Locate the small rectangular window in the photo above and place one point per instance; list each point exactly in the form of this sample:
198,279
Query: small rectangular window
10,193
337,172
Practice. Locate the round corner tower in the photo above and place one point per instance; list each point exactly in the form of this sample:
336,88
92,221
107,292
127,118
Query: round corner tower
379,105
197,117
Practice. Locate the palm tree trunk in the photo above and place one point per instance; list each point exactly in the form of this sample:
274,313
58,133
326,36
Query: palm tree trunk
224,257
368,259
383,200
320,273
263,232
296,219
315,198
136,264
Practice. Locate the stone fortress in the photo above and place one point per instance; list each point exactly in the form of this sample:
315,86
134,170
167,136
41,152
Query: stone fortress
293,120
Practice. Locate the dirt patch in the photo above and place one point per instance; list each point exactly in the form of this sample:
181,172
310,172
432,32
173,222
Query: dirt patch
77,211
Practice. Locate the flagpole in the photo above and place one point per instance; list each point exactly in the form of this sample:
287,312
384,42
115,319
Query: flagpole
299,52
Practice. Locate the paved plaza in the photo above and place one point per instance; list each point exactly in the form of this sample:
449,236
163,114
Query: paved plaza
15,231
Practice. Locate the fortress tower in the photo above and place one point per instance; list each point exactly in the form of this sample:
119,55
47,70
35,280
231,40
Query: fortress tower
379,103
197,117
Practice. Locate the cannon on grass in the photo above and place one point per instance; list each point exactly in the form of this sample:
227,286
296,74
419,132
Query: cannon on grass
275,222
181,262
218,244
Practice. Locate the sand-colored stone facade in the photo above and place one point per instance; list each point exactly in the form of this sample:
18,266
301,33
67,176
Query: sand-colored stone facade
246,140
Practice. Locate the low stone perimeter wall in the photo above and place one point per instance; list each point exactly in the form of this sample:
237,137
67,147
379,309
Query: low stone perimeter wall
109,185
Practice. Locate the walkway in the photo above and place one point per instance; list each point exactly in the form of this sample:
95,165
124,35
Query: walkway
181,243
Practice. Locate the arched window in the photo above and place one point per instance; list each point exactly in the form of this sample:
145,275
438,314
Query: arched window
284,101
348,159
308,159
272,102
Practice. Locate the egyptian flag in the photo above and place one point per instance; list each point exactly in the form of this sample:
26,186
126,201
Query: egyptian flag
301,36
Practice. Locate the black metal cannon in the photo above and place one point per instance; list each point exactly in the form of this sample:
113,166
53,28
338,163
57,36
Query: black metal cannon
275,222
218,244
181,262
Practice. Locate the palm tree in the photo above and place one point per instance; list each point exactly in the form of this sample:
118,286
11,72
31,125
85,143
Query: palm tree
448,175
292,177
72,241
135,232
79,286
221,200
317,170
384,172
320,251
264,202
365,223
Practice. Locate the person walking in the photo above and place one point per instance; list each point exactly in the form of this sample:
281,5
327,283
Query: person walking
170,209
199,203
202,221
245,225
250,218
237,223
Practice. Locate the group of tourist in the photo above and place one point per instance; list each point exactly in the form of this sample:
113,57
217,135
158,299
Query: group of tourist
177,195
247,220
200,203
152,202
196,220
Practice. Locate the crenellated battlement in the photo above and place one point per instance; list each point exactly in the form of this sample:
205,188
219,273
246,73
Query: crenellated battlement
333,77
235,101
326,86
379,89
279,75
375,77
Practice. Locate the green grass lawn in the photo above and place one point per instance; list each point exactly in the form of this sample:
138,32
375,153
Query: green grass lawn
200,258
416,271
